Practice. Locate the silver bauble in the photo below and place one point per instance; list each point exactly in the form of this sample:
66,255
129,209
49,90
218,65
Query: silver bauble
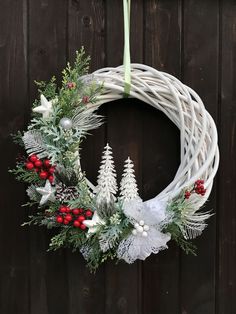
66,123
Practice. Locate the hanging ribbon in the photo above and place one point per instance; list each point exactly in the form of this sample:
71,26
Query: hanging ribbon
126,59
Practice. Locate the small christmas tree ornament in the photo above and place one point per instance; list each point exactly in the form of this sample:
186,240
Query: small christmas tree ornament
128,185
107,185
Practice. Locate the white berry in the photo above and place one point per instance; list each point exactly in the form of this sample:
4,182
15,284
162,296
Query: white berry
136,225
141,222
139,229
144,234
146,228
134,232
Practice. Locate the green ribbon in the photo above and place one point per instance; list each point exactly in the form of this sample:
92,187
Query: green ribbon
126,59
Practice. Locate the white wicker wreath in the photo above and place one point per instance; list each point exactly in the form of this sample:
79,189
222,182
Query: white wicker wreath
111,220
183,106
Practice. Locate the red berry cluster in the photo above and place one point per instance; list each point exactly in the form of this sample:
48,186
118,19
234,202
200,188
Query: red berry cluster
198,189
71,85
74,217
43,167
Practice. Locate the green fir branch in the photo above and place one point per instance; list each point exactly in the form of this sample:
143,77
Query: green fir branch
176,234
48,89
24,175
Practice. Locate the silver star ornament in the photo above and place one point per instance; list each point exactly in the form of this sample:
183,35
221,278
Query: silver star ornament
47,193
45,108
94,223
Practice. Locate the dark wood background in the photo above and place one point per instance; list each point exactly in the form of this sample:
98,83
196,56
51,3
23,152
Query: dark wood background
194,40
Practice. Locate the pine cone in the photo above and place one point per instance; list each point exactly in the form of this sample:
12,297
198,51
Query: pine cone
66,193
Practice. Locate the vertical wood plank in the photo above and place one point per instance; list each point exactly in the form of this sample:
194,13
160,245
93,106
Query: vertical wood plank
14,284
200,71
161,151
47,56
86,28
124,131
226,217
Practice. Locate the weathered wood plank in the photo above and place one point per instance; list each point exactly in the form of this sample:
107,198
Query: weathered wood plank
14,244
161,151
200,71
47,56
86,28
226,284
123,282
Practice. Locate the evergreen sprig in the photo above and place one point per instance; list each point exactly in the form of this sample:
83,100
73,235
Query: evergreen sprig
24,175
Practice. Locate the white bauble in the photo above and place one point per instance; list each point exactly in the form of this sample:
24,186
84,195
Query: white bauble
66,123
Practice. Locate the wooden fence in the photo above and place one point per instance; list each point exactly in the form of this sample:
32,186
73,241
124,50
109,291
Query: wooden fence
194,40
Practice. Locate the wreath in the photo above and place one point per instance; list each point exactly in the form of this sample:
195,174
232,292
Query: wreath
107,220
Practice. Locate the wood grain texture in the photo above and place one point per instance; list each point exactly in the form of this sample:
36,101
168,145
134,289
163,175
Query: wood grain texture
161,151
14,240
226,287
47,25
86,28
193,40
200,71
124,129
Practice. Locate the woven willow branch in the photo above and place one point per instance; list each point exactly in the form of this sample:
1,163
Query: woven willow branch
198,134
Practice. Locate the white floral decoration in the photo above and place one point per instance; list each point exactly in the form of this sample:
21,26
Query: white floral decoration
146,237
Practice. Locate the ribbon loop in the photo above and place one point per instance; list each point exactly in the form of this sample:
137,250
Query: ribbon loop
126,58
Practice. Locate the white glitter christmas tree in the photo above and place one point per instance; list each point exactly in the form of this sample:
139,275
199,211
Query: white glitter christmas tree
107,185
128,184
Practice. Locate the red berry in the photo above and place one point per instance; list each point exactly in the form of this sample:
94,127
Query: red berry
66,222
68,217
47,163
85,99
187,194
59,219
76,211
29,165
68,210
76,223
43,175
51,170
83,227
51,178
71,85
81,218
81,210
63,209
38,163
88,213
33,158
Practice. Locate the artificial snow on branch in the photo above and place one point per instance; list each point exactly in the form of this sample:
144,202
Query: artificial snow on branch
34,143
86,119
128,184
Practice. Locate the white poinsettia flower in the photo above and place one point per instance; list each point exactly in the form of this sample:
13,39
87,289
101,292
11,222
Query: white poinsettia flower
146,238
